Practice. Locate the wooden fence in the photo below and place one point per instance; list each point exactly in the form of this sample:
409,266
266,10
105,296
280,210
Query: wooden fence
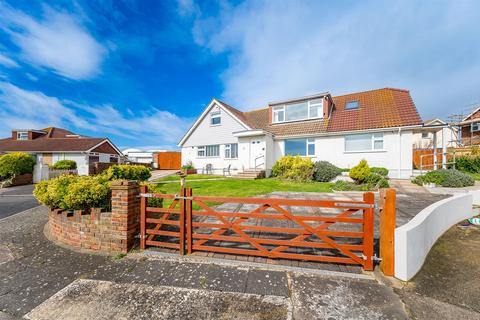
425,157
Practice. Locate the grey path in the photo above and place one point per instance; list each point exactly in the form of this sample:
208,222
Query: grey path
16,199
37,269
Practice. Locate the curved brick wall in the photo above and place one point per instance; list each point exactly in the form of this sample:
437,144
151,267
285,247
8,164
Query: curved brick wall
101,231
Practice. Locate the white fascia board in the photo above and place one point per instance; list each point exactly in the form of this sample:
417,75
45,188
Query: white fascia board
250,133
213,103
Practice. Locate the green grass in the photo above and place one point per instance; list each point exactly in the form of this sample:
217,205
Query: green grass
475,176
232,187
190,177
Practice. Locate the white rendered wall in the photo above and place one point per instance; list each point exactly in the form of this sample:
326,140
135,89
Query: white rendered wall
414,240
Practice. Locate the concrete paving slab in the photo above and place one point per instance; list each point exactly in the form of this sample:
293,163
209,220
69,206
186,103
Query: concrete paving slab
90,299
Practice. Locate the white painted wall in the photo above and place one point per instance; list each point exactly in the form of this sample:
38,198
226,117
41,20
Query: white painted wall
447,134
414,240
332,149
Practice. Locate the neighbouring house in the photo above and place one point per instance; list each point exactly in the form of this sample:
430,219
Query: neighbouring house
140,156
52,144
470,128
377,125
447,135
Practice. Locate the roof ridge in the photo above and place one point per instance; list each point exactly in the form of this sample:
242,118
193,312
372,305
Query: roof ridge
372,90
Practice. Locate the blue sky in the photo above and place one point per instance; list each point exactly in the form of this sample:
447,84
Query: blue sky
140,72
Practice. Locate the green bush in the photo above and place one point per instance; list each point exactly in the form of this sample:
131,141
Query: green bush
468,164
127,172
154,188
188,165
87,192
294,168
360,171
445,178
52,192
325,171
341,185
65,165
14,164
376,181
379,170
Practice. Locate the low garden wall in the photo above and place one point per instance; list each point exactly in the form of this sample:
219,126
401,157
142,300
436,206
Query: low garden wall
414,240
107,232
22,179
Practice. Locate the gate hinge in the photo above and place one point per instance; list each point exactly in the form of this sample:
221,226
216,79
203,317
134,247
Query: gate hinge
374,257
145,195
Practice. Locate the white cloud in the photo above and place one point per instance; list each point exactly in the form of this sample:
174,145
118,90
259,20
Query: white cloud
187,8
280,49
58,42
21,108
7,62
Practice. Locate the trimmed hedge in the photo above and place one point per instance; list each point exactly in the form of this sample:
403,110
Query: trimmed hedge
325,171
64,165
468,164
446,178
293,168
379,170
14,164
127,172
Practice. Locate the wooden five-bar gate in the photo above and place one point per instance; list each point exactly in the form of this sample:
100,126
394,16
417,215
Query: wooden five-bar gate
312,230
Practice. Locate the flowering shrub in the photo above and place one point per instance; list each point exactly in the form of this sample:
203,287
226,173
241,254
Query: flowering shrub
14,164
127,172
294,168
65,165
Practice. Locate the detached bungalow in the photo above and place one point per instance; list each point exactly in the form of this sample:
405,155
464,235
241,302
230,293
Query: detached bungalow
50,145
376,125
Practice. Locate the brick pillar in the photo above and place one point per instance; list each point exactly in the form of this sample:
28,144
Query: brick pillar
125,213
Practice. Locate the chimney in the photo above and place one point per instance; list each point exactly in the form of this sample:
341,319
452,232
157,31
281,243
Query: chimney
326,107
14,135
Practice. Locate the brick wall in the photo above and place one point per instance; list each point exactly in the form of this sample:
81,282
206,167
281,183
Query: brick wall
101,231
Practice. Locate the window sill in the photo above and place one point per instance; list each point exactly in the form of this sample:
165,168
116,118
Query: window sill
215,157
215,125
288,121
366,151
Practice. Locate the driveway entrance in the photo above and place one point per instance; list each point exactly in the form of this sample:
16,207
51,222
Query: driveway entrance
16,199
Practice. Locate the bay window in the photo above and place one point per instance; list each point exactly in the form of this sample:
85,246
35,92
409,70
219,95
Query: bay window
364,142
311,109
301,147
231,151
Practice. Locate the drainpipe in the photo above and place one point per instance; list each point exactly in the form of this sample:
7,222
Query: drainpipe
400,152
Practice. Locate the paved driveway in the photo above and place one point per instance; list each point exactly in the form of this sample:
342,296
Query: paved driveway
16,199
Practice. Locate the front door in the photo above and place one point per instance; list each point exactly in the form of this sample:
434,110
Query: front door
257,152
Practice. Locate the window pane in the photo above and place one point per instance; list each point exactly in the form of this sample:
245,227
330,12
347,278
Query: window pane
296,111
278,116
295,147
378,144
316,111
351,105
216,120
358,142
227,151
311,149
234,150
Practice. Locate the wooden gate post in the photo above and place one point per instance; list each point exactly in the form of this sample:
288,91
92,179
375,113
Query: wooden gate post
182,220
189,221
143,209
387,230
368,229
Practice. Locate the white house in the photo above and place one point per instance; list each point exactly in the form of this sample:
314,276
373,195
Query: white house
52,144
140,156
376,125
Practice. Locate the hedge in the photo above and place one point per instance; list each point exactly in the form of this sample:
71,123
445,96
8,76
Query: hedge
14,164
468,164
127,172
324,171
64,165
379,170
293,168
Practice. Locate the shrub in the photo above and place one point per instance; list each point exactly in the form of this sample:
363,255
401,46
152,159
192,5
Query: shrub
87,192
341,185
127,172
379,170
294,168
14,164
188,165
376,181
445,178
360,171
325,171
154,188
52,192
468,164
65,165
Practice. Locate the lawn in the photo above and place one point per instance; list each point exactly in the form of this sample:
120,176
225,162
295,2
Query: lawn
232,187
190,177
475,176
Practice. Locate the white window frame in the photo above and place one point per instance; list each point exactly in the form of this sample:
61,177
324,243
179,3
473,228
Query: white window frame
208,149
22,135
375,137
214,115
282,108
228,149
473,125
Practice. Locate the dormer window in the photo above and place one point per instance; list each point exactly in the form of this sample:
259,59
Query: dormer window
351,105
22,135
310,109
215,118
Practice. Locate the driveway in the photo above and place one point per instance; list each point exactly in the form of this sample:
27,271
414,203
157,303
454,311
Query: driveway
159,174
16,199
